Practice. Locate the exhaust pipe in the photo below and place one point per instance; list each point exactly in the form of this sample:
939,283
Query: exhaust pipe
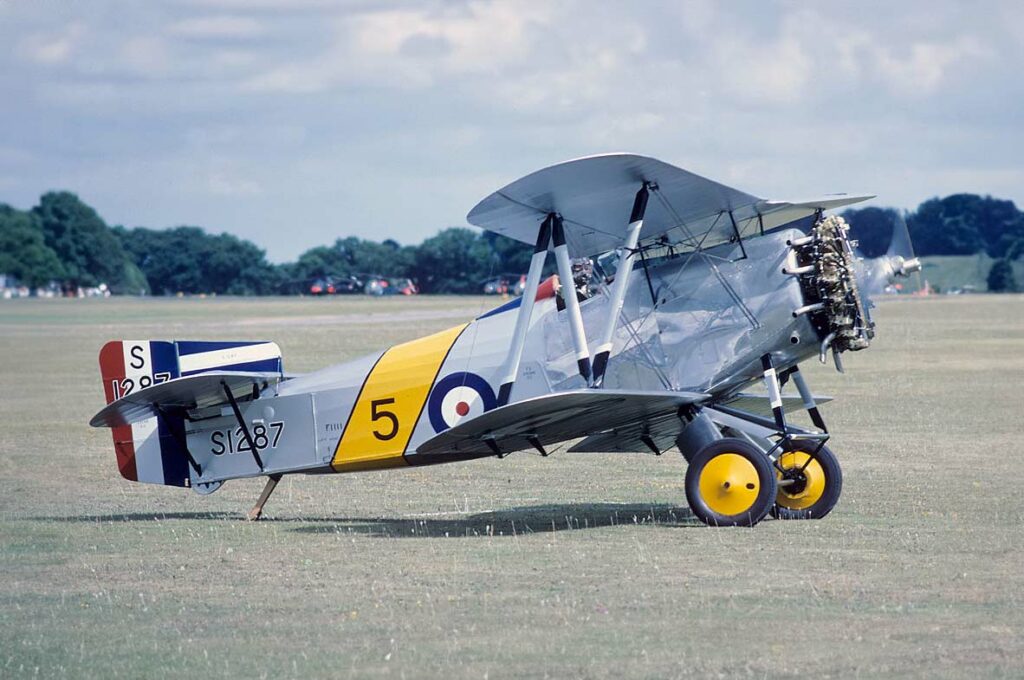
808,308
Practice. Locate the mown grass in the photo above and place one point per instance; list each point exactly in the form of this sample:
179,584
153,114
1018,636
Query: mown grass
949,272
576,565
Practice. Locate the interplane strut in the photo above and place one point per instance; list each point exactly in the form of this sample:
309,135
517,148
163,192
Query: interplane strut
515,354
618,292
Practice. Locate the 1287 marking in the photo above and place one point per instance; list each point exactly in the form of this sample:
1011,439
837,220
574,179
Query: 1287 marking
123,388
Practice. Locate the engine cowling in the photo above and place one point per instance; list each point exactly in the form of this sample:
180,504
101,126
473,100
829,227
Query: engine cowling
826,265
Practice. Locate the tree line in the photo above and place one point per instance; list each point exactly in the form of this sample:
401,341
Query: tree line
65,240
960,224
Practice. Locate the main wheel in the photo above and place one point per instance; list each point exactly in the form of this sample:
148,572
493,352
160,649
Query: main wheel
810,482
730,482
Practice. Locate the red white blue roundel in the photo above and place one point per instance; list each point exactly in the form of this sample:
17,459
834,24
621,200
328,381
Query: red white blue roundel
457,397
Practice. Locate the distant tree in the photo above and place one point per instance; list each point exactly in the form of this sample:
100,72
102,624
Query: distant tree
318,262
133,281
88,249
1001,278
999,222
456,260
167,257
964,224
23,250
189,260
354,255
513,257
872,228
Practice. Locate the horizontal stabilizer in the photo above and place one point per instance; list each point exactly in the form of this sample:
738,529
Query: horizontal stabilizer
557,417
201,390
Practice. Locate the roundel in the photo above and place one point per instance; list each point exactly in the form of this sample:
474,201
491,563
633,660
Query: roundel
458,397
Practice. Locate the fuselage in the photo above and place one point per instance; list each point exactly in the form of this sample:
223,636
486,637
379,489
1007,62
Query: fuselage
690,322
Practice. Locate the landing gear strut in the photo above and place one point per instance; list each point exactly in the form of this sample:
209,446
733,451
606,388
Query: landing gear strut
806,480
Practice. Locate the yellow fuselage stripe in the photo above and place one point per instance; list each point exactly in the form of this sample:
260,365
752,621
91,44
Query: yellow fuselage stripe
390,403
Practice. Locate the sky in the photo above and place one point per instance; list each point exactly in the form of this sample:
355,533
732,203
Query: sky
296,122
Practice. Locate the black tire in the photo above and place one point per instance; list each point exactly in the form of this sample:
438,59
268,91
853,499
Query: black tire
735,506
787,505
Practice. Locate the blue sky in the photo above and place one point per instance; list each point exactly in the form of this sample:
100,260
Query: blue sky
293,122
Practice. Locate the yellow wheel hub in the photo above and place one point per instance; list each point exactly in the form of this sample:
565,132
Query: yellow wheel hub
804,493
729,484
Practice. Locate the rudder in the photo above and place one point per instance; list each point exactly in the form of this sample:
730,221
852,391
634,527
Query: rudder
151,451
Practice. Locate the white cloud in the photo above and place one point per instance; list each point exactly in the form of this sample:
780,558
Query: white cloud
766,72
145,56
241,134
926,68
218,26
414,48
53,48
221,183
178,109
480,36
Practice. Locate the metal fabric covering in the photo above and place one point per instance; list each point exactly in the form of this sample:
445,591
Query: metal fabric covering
594,195
557,417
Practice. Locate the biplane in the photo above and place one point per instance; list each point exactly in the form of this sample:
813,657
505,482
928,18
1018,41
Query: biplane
674,296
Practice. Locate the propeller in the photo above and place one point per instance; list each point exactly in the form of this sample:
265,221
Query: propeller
877,273
901,250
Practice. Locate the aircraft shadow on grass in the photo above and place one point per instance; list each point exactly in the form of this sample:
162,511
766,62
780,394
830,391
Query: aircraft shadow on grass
508,522
531,519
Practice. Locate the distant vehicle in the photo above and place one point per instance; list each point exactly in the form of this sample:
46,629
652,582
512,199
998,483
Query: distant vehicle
381,285
497,286
375,285
401,286
505,284
330,285
322,287
348,285
519,286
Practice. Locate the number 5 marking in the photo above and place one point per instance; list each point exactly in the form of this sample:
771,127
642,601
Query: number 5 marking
377,413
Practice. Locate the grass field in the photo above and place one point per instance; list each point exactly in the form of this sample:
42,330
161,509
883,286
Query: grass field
576,565
948,272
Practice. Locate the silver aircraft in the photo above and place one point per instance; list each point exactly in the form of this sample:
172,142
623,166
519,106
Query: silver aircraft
674,295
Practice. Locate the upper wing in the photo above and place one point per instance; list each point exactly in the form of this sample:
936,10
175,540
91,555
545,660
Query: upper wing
202,390
557,417
594,196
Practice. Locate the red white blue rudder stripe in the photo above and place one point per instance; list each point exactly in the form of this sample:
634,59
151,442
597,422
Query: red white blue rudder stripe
146,451
150,450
